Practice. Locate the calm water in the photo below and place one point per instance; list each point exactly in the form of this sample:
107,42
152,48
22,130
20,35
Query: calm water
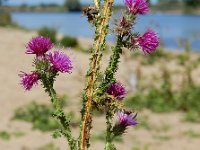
172,29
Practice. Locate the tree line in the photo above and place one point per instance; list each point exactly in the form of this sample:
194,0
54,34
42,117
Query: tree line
75,5
187,3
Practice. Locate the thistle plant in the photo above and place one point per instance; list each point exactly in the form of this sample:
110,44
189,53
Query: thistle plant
107,94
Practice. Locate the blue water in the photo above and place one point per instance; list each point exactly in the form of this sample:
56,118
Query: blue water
173,29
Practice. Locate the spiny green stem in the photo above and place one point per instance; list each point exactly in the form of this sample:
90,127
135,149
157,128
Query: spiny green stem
109,120
59,113
111,68
97,3
99,46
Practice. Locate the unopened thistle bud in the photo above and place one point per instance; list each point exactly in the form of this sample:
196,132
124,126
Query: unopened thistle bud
123,27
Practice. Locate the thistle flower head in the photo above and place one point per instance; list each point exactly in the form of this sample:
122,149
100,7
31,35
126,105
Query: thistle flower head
39,46
117,90
60,62
126,119
137,6
29,80
148,42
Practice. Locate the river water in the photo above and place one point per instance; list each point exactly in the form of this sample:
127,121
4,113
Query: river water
173,29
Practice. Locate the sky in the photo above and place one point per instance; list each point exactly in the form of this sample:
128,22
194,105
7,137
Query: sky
35,2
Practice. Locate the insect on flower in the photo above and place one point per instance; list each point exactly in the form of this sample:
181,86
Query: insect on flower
91,12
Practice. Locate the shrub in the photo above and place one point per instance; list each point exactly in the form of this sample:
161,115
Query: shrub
192,116
156,99
159,100
48,32
192,134
137,101
188,99
49,146
68,41
4,135
73,5
37,114
5,19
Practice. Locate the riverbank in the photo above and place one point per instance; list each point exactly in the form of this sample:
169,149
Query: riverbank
172,33
60,8
156,132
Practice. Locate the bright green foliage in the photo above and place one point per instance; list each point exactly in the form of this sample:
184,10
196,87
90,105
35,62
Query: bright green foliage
68,41
5,135
192,116
109,74
158,100
192,134
48,32
189,99
49,146
39,115
182,58
5,19
137,101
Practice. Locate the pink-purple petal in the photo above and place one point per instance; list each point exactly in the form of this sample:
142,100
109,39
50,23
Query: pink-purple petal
148,42
125,119
60,62
39,46
29,80
117,90
137,6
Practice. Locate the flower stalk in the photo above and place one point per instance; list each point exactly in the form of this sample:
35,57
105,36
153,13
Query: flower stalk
106,94
112,67
59,113
99,46
109,137
97,3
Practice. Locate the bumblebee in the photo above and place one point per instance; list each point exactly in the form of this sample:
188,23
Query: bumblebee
91,12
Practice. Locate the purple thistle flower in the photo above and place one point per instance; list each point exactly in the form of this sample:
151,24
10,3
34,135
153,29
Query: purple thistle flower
137,6
126,119
60,62
29,80
39,46
117,90
148,42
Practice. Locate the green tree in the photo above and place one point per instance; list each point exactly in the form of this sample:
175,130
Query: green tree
168,2
192,3
73,5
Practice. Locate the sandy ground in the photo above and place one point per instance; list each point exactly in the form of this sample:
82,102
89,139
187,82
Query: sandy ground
166,131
